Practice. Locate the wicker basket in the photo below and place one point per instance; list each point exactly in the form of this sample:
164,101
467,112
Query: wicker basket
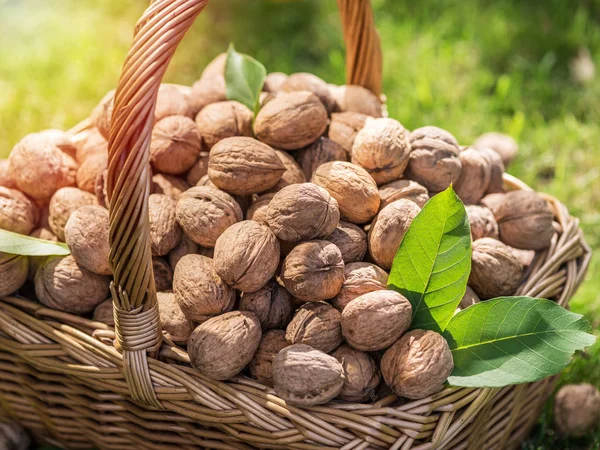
62,378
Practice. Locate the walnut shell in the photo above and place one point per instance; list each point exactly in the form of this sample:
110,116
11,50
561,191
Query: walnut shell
17,213
469,299
210,88
355,98
64,203
89,170
6,179
243,166
86,234
525,220
104,313
316,324
261,366
89,142
185,247
496,171
163,274
198,169
246,255
102,114
321,151
62,285
13,272
304,376
313,271
399,189
577,409
359,278
257,210
351,240
242,200
302,211
272,304
204,213
353,188
303,81
483,223
222,346
293,172
175,145
492,201
273,81
382,148
165,232
173,321
475,176
45,234
344,127
172,100
434,160
391,312
291,120
221,120
199,290
495,271
388,230
362,375
418,364
169,185
501,143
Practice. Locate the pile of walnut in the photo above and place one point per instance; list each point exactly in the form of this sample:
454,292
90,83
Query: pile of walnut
273,238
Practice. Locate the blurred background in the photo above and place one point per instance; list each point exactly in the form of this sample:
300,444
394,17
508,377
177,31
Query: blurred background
525,68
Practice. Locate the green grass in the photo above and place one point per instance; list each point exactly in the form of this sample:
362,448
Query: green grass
469,66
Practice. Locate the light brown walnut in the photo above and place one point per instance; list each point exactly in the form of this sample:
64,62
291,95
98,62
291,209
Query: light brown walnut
351,240
261,366
577,409
175,145
316,324
322,151
89,142
483,223
257,210
102,114
303,81
6,179
210,88
359,278
169,185
293,172
273,81
165,232
172,319
13,272
496,170
65,202
104,313
475,176
185,247
272,304
362,375
17,213
221,120
469,299
198,169
344,127
355,98
173,100
89,170
501,143
86,234
399,189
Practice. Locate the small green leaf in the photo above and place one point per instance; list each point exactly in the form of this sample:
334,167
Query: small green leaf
18,244
432,265
244,78
511,340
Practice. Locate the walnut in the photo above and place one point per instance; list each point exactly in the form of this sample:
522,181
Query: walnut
198,169
525,257
303,211
210,88
102,113
273,81
221,120
104,313
388,230
316,324
272,342
577,409
222,346
65,202
304,376
89,142
86,234
204,213
13,272
382,148
257,210
418,364
175,145
353,188
163,274
246,255
492,201
291,120
242,200
525,220
303,81
168,185
495,271
293,172
45,234
362,375
243,166
469,299
272,304
496,171
501,143
321,151
199,290
475,176
173,321
313,271
185,247
398,189
389,310
39,167
344,127
6,179
434,160
483,223
165,232
357,99
351,240
359,278
172,100
17,213
63,285
89,170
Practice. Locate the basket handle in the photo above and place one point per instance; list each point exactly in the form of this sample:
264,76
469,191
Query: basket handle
156,37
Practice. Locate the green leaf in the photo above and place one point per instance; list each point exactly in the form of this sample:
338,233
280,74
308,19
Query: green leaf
511,340
18,244
244,78
432,265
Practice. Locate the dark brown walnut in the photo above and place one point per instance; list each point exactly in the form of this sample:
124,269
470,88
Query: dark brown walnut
313,271
221,120
173,100
399,189
496,171
362,375
172,319
434,161
257,210
291,120
359,278
272,304
469,299
86,234
495,271
63,285
222,346
577,409
210,88
89,142
355,98
303,81
17,213
304,376
175,145
302,211
6,179
13,272
388,230
199,290
316,324
501,143
261,366
293,172
244,166
418,364
168,185
102,114
475,176
344,127
322,151
165,232
353,188
351,240
104,313
163,274
273,81
89,170
525,220
246,255
483,223
382,148
375,320
185,247
204,213
65,202
198,169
